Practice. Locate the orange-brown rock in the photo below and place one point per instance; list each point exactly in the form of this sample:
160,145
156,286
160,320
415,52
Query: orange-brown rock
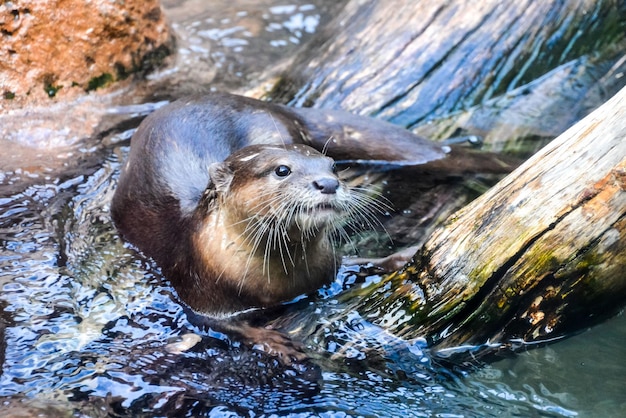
62,48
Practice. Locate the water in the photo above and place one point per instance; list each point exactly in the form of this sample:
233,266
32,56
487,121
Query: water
89,321
87,324
226,44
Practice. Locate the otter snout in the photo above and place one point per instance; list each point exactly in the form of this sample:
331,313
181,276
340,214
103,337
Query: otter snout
326,185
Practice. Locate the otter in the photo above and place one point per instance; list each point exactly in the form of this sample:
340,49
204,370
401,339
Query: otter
238,200
228,195
263,230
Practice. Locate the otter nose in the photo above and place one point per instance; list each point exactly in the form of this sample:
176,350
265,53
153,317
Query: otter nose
326,185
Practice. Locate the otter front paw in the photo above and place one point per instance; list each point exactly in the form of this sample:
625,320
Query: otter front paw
275,343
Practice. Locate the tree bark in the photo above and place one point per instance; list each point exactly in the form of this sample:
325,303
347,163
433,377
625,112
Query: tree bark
516,73
539,256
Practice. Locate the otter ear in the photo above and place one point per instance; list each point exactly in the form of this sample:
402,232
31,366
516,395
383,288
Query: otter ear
221,176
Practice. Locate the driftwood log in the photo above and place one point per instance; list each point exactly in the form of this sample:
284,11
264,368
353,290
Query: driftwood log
516,73
539,256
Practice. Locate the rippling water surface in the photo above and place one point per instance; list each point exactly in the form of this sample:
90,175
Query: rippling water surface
88,325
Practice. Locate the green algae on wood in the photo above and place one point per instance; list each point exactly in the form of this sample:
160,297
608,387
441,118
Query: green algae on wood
548,259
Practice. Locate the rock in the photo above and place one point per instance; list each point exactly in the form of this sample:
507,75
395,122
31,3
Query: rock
63,48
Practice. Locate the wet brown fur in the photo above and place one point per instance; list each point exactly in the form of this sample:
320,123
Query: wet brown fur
174,203
224,243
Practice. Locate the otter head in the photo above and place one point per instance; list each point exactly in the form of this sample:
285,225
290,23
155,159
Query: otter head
291,190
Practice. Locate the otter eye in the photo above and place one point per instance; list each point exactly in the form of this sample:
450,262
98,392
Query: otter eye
282,171
334,168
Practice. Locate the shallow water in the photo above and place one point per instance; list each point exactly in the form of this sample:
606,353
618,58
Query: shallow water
87,323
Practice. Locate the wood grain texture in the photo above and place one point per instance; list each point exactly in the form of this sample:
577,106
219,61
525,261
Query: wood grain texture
540,255
516,73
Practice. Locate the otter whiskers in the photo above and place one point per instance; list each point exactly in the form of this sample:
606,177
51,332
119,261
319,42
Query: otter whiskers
286,223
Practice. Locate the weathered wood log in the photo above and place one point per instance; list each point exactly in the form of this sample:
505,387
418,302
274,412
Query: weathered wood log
539,256
459,67
518,74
